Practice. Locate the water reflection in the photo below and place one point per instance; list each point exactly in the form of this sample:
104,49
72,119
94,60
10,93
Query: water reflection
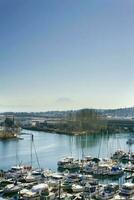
52,147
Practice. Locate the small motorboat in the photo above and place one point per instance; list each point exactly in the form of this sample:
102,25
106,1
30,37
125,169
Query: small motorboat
130,141
108,192
12,189
77,188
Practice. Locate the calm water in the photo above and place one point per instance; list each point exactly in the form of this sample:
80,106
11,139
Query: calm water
52,147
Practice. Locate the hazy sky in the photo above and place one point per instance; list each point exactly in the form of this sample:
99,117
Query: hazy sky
66,54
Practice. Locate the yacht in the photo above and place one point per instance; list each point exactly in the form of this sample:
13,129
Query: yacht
37,192
108,192
12,189
68,163
118,155
116,171
77,188
127,190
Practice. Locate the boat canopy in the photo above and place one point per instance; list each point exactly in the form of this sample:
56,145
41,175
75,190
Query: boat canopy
39,187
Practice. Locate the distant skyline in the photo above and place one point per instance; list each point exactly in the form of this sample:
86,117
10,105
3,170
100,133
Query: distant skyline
64,54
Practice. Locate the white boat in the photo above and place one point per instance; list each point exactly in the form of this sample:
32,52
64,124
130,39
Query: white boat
102,169
127,190
107,167
89,167
108,192
12,188
17,168
88,179
57,176
91,190
118,155
26,194
68,163
37,191
116,171
118,197
73,178
105,195
40,188
36,172
86,159
47,173
129,167
66,196
29,178
77,188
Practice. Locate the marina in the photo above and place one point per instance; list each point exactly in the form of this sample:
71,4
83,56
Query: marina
82,170
25,182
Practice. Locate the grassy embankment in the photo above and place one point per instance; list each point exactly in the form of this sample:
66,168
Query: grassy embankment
84,121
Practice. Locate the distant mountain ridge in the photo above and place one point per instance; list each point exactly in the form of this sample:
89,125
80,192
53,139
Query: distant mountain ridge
114,113
120,112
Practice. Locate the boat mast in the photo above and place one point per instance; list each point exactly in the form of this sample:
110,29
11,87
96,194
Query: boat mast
37,159
17,159
33,148
32,138
100,145
59,190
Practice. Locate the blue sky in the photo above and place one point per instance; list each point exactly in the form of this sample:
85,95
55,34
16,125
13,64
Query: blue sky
64,54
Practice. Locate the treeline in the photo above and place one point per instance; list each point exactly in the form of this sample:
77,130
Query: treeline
9,122
49,114
82,121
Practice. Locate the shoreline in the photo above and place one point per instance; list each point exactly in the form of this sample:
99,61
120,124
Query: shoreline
76,133
8,136
50,131
63,132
